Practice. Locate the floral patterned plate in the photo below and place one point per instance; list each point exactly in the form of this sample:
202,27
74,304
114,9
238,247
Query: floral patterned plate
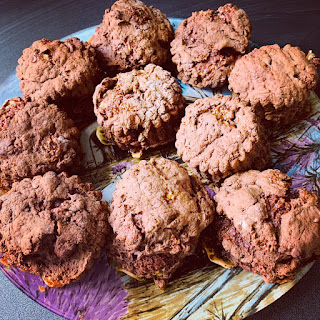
202,290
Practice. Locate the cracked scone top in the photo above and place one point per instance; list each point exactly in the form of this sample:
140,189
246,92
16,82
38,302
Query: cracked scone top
277,81
140,109
61,72
132,35
266,227
207,44
157,214
221,135
54,226
35,138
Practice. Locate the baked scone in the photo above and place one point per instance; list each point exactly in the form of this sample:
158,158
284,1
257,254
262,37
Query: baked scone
140,109
221,135
61,72
276,81
132,35
157,214
54,226
35,138
266,227
207,44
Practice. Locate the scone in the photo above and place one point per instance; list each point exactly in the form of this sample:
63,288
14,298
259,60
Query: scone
207,44
35,138
157,214
53,226
276,81
140,109
264,226
220,136
61,72
132,35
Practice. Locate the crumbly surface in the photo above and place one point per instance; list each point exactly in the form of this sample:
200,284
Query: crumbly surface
53,225
221,135
277,81
265,227
140,109
132,35
61,72
157,214
207,44
35,138
8,110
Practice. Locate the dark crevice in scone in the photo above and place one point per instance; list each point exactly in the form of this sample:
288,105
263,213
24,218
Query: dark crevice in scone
207,44
35,138
276,81
221,135
140,109
54,226
157,215
131,36
60,72
265,227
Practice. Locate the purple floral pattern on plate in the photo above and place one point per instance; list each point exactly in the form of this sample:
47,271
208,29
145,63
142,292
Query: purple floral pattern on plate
98,295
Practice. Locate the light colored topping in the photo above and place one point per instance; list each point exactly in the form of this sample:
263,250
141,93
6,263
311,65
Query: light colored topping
51,283
132,275
136,155
213,258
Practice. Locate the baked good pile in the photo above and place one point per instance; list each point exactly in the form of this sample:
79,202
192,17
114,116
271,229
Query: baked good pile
54,225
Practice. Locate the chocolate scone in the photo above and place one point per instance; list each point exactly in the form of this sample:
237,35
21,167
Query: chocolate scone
61,72
265,227
207,44
131,35
157,214
35,138
221,135
140,109
276,81
54,226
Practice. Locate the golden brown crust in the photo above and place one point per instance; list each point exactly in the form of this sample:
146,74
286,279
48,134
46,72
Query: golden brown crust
140,109
61,72
53,225
132,35
207,44
157,214
277,81
265,227
35,138
221,135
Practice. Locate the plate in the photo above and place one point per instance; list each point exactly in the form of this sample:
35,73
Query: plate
202,290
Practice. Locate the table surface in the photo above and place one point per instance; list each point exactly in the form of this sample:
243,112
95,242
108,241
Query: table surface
273,21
